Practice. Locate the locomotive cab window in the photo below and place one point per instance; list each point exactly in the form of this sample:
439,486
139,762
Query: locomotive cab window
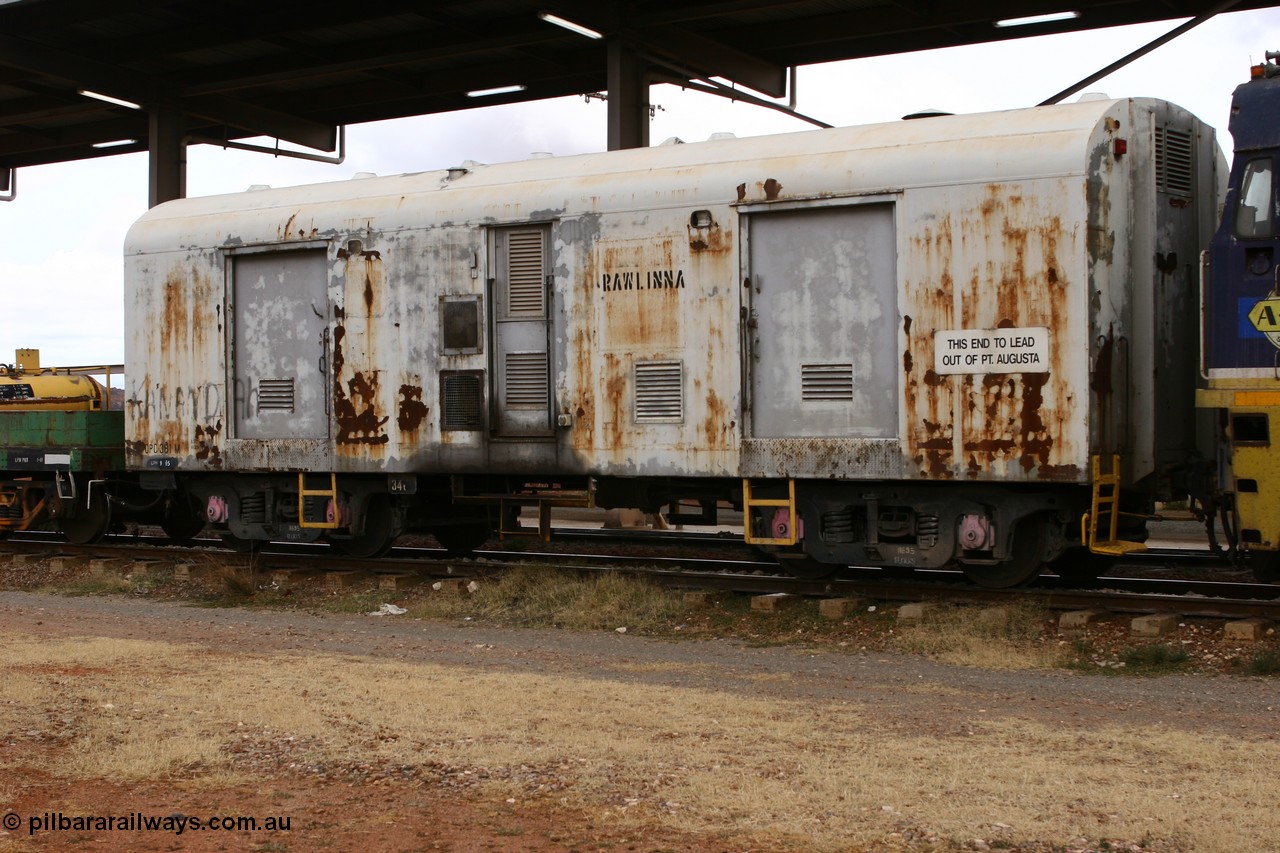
1250,430
1255,208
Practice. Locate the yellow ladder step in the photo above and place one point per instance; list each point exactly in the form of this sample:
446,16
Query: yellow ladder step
303,493
1106,501
750,502
543,532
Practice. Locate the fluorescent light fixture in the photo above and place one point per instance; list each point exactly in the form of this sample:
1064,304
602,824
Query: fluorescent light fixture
119,102
570,25
113,143
1037,19
496,90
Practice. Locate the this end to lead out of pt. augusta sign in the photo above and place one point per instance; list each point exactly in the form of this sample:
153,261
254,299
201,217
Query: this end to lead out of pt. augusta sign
991,350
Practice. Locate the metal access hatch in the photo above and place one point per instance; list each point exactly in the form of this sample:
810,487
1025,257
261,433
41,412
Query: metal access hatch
824,314
280,359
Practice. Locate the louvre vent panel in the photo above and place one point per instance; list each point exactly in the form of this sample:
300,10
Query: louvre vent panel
525,277
659,391
820,382
462,406
275,395
1174,157
526,379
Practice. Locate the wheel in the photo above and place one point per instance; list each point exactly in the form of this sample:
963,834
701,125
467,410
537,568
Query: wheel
1024,563
182,519
806,567
381,527
1078,565
90,523
1265,565
462,538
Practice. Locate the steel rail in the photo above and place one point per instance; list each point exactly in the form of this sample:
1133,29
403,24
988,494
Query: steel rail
1216,599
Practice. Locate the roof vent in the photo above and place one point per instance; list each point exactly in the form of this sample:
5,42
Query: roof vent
1093,96
455,172
540,155
257,188
927,112
721,134
671,140
360,176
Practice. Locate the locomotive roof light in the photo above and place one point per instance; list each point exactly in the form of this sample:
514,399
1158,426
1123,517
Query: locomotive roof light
1267,68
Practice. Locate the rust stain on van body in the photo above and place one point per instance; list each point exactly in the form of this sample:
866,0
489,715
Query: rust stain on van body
995,264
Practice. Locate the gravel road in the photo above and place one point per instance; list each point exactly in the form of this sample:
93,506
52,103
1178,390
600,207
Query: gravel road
914,692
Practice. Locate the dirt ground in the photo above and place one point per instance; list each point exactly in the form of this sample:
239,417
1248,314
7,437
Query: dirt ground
549,740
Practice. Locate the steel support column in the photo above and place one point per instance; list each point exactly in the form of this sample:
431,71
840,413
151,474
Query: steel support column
167,173
628,98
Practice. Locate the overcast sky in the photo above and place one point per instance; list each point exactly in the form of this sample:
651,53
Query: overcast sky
61,264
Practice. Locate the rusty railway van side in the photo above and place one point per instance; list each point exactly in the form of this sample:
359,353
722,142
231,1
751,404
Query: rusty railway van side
909,339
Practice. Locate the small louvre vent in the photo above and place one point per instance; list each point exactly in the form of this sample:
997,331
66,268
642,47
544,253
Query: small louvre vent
526,379
462,403
826,382
1173,162
524,274
659,391
275,395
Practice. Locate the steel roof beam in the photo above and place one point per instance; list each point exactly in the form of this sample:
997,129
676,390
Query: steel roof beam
715,58
85,73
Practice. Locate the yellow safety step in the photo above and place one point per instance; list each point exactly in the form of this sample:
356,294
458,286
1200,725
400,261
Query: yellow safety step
1102,536
509,510
331,493
750,502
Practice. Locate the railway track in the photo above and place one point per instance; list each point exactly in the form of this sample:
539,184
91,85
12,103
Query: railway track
1118,594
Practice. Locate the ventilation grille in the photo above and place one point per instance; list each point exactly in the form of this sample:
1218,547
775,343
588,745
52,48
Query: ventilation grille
659,391
524,274
526,379
1173,162
462,403
275,395
826,382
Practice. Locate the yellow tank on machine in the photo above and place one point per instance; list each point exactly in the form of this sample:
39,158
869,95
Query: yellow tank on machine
25,386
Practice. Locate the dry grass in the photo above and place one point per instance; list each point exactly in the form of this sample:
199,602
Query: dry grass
994,638
533,596
817,775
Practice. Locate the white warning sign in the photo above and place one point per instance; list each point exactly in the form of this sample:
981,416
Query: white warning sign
991,350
